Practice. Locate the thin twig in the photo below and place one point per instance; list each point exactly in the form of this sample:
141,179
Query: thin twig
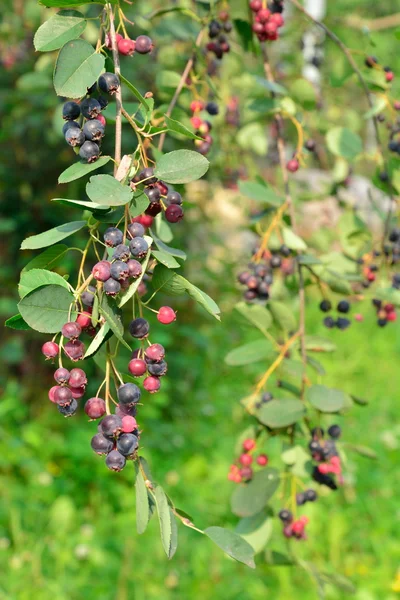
118,93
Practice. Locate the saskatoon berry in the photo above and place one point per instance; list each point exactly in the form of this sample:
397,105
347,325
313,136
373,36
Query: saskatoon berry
101,444
148,175
77,378
158,369
123,410
87,297
284,251
293,165
50,349
173,213
71,330
108,83
119,270
52,392
93,130
95,408
61,375
111,425
212,108
310,145
174,198
288,531
343,323
128,424
275,261
139,328
126,47
154,209
314,446
63,396
74,350
166,315
89,151
84,319
153,194
323,479
90,108
136,230
74,137
334,431
121,252
112,287
245,459
285,515
127,443
329,322
71,111
249,444
246,473
262,460
113,237
144,44
134,267
310,495
204,148
137,367
152,384
214,29
78,392
102,270
155,352
300,499
228,27
394,235
138,247
128,393
343,306
103,101
68,410
325,306
115,461
70,125
162,187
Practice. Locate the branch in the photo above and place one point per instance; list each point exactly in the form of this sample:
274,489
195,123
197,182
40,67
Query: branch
118,94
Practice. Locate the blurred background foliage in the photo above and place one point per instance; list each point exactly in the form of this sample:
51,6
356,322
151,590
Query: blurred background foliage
67,525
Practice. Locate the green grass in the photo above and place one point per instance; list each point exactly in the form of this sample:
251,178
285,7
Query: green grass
69,524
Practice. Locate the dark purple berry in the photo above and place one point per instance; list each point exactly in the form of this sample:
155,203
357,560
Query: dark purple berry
136,230
121,252
111,425
103,101
174,198
89,151
123,410
113,237
334,431
127,444
87,297
74,137
275,261
70,125
138,247
100,444
135,268
310,495
174,213
90,108
128,393
71,111
115,461
343,323
93,130
343,306
329,322
212,108
108,83
139,328
325,306
153,194
285,515
74,350
63,396
300,499
68,410
158,369
119,270
95,408
112,287
143,44
61,375
77,378
148,175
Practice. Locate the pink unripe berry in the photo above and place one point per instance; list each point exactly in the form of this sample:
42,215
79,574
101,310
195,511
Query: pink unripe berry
166,315
61,375
137,367
52,392
71,330
246,473
62,396
102,270
129,424
263,15
324,468
118,37
102,119
196,122
277,18
196,106
298,527
389,76
359,317
396,105
255,5
249,444
126,47
50,349
77,378
270,28
245,460
262,460
293,165
152,384
74,350
84,320
155,352
95,408
135,268
392,316
78,392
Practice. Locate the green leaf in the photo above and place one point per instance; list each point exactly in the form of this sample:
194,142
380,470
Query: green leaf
166,259
248,499
51,236
233,544
174,535
292,240
113,317
282,315
250,353
202,298
304,93
47,308
308,259
259,192
127,295
344,142
299,461
339,581
91,206
326,399
178,127
34,278
257,315
136,93
142,502
256,530
281,413
315,343
164,517
181,166
101,336
108,191
139,204
362,450
272,86
253,137
358,400
17,322
66,25
78,66
49,258
168,249
80,169
338,285
290,368
277,559
167,79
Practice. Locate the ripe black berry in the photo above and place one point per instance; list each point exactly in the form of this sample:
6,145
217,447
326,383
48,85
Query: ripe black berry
70,125
68,410
71,111
127,443
119,270
325,306
153,194
108,83
93,130
285,515
310,495
87,297
101,444
334,431
136,230
144,44
90,108
74,137
343,306
103,101
212,108
343,323
138,247
111,425
329,322
121,252
89,151
300,499
139,328
158,369
324,479
113,236
112,287
128,393
148,175
115,461
275,261
174,198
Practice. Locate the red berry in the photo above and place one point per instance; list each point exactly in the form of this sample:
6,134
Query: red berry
392,316
174,213
126,47
78,392
152,384
255,5
61,375
196,122
137,367
262,460
71,330
389,76
371,276
50,349
77,378
298,527
155,352
62,396
263,15
196,106
389,308
102,119
95,408
324,468
271,28
52,392
102,270
249,444
74,350
84,320
118,37
396,105
293,165
128,424
245,459
166,315
246,473
277,18
287,531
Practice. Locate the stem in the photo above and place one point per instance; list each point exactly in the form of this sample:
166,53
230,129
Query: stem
302,329
181,83
118,93
107,394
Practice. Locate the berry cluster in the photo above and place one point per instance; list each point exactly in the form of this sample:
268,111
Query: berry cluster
267,21
127,47
325,453
217,29
88,138
160,198
342,307
392,248
372,63
258,278
386,312
203,127
241,470
118,435
70,387
295,528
